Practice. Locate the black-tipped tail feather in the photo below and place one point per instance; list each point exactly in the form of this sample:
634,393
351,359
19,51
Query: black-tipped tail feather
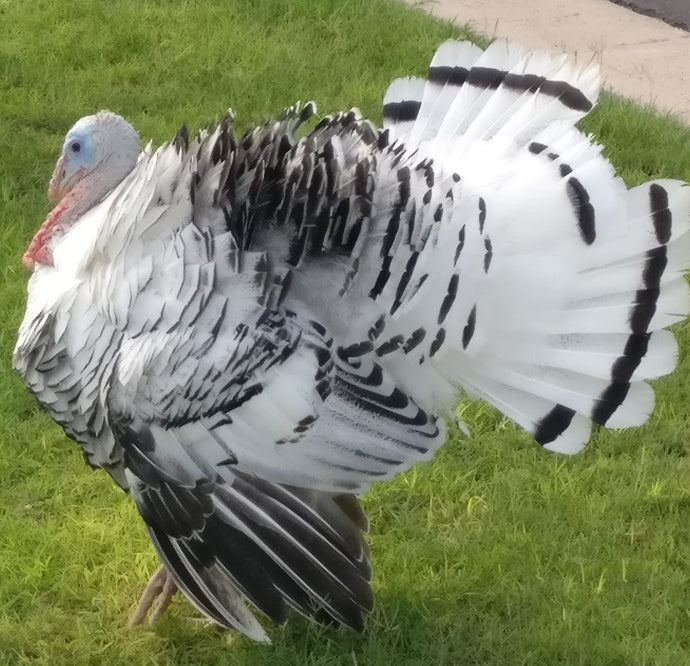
549,281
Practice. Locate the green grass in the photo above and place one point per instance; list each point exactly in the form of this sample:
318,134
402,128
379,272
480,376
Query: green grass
494,554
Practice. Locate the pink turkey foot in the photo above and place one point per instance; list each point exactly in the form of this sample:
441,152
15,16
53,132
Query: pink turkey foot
157,594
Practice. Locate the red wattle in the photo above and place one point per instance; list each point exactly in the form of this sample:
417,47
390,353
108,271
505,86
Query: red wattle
38,252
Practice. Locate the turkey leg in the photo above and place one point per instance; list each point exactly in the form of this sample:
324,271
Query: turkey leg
158,593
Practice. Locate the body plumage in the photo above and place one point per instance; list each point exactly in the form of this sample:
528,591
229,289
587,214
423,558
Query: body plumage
246,331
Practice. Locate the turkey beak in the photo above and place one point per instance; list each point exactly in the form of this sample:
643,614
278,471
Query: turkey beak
54,189
60,183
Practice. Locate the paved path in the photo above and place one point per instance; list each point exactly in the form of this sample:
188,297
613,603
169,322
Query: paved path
642,58
675,12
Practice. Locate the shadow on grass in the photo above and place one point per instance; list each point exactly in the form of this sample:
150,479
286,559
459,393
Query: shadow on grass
435,625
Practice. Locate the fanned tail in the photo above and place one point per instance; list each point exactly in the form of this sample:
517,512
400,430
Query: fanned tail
528,274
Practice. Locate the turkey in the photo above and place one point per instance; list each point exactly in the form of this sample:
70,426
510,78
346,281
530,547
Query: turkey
247,331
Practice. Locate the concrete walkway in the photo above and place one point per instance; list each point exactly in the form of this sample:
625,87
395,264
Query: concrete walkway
642,58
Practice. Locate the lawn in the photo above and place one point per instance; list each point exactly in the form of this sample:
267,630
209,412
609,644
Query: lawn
496,553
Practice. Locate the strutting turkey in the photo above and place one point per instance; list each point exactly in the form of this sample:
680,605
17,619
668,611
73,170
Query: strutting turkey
247,332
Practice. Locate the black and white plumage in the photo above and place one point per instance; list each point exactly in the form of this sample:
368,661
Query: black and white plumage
245,331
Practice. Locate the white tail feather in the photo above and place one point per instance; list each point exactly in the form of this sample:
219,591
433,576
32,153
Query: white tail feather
551,305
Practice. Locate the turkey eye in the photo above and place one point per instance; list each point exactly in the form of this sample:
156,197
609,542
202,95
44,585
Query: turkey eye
75,147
